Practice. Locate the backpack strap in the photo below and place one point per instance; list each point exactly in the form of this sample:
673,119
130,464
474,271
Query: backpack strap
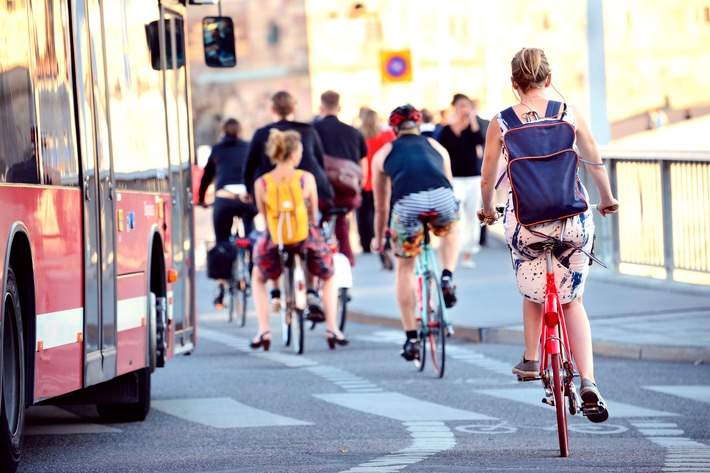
553,108
510,118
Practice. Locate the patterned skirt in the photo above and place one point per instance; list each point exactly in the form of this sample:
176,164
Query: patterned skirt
571,265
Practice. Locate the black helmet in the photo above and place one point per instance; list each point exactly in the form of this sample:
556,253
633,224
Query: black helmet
404,113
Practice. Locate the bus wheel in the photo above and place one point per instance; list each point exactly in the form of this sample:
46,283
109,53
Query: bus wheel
12,380
138,383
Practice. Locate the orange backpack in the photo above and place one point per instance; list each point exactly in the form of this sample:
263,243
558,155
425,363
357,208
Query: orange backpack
286,212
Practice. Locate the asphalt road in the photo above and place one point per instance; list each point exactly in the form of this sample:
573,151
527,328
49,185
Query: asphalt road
228,408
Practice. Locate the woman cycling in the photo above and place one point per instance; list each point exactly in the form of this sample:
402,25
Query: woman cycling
284,148
531,76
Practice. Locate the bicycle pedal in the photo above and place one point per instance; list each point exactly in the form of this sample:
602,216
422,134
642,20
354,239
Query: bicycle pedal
523,379
549,402
593,408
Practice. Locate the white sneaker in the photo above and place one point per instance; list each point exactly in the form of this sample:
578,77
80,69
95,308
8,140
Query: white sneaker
468,264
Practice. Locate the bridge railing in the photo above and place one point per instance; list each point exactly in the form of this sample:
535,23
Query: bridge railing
662,230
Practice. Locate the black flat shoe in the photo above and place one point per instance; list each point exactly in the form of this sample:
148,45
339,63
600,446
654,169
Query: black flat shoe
334,337
260,341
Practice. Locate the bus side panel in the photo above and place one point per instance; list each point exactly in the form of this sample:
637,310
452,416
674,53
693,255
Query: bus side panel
132,323
138,214
52,217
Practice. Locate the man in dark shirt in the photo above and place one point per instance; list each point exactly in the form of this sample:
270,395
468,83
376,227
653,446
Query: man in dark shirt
340,140
258,164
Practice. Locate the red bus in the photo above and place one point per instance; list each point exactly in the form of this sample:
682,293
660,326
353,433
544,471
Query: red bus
96,226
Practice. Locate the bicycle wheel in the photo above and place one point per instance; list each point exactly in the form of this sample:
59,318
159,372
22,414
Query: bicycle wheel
241,303
343,299
232,294
233,291
437,328
421,360
560,408
286,306
297,333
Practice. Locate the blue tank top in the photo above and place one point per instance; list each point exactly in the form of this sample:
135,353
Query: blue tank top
414,166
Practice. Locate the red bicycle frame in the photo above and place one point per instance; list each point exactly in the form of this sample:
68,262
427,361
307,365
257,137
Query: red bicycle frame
554,339
556,368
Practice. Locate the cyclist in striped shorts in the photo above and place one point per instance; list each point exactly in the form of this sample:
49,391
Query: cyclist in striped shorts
412,176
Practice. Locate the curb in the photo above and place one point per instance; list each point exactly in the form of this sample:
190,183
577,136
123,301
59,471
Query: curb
631,351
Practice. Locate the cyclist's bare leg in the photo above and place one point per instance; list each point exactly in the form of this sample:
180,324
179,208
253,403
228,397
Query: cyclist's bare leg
329,293
449,250
532,326
404,286
580,336
261,299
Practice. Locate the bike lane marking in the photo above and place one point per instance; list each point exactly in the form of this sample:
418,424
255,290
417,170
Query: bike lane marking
223,413
52,420
700,393
423,420
428,439
533,397
682,453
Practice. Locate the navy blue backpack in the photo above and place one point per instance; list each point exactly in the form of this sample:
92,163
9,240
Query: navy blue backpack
542,167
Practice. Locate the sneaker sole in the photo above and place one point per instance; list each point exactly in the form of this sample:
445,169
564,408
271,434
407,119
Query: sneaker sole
526,374
590,397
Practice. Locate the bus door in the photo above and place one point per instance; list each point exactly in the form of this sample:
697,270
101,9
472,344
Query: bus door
99,205
179,146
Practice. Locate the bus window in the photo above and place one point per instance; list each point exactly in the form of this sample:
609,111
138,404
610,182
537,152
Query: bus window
218,40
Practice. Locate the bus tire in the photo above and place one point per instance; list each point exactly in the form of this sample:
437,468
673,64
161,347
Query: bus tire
12,378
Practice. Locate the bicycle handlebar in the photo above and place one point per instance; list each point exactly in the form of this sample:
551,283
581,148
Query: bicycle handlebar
500,210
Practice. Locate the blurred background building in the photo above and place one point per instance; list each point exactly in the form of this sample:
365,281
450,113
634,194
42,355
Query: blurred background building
382,53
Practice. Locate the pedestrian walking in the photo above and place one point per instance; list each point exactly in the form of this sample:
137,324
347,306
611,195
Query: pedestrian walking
375,137
463,138
341,140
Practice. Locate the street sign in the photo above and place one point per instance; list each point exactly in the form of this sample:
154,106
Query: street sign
396,66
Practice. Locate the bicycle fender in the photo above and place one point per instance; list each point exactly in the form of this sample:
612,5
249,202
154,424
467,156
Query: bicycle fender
343,271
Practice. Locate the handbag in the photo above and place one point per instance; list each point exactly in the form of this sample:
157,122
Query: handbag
220,260
344,175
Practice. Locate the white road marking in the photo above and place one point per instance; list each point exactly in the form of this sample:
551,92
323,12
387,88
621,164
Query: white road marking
533,396
684,455
696,393
348,381
429,438
222,413
400,407
57,421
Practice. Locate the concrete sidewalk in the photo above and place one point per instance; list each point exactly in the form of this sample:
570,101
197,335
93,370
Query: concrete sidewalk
640,321
649,321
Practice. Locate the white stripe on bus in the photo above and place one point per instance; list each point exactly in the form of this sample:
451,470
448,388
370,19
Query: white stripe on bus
63,327
131,313
60,328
